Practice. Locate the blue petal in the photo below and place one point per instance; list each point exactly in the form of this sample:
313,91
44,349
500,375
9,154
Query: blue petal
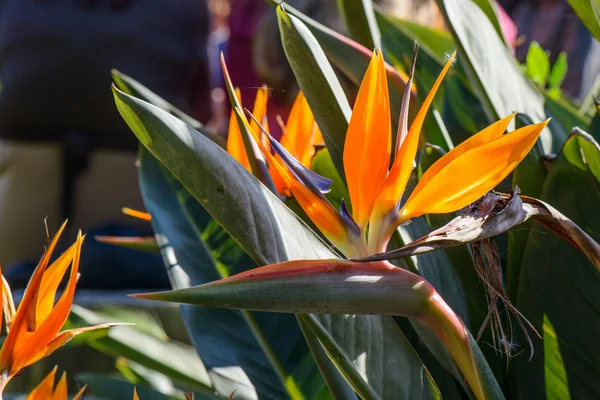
310,179
347,218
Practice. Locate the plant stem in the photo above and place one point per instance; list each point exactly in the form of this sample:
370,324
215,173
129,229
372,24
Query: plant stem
288,383
449,328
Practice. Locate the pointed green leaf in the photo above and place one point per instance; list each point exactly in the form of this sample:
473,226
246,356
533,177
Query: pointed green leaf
318,83
559,71
132,87
360,22
340,287
176,360
537,63
529,176
589,13
492,70
559,287
146,244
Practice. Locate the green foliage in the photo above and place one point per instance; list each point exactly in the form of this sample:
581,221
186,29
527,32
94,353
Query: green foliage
537,67
537,64
213,220
589,13
281,236
558,285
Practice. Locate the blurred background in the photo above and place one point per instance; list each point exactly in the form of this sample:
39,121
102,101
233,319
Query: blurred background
65,152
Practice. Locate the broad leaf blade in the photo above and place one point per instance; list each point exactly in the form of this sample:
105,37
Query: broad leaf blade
559,287
173,359
196,250
492,69
352,58
588,12
132,87
318,83
360,22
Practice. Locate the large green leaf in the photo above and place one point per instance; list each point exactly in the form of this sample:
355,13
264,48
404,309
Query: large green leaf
494,74
318,82
176,360
351,58
196,250
589,13
134,88
268,231
564,114
529,176
559,288
340,287
360,22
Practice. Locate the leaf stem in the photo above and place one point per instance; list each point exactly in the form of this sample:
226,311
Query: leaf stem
287,381
450,329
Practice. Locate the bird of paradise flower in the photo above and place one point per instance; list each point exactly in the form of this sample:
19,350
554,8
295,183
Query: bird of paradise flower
34,326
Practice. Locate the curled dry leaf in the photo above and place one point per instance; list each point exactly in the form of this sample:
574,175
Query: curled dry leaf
493,214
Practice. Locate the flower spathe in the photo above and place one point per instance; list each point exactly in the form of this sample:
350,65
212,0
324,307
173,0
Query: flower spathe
368,142
376,190
34,327
300,134
47,391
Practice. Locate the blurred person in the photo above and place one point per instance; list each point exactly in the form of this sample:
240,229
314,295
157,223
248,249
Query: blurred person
423,12
254,36
65,151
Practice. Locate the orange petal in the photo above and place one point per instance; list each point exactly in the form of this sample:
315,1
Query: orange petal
259,110
50,281
318,138
382,223
43,391
79,394
472,174
135,395
3,289
136,214
485,136
51,325
235,143
368,141
289,136
397,179
60,392
25,315
300,131
62,338
320,211
8,305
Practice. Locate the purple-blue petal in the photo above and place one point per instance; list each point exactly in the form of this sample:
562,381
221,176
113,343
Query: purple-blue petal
315,182
347,218
310,179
